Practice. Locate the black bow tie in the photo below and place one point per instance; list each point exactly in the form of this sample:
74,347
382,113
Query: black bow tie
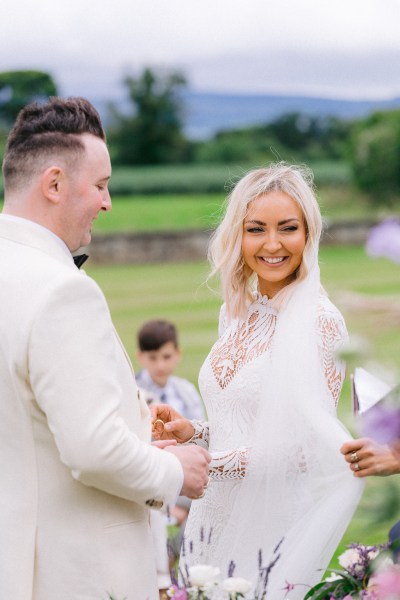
79,260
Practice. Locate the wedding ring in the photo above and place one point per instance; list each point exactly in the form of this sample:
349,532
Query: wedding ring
201,495
208,483
158,426
354,457
356,466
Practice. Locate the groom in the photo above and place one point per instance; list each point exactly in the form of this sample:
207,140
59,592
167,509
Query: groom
78,473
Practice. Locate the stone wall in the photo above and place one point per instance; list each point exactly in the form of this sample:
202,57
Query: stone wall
180,246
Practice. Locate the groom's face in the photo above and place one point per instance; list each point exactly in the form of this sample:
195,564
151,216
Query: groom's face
87,193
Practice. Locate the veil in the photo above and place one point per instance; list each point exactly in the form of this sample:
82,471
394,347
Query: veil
298,492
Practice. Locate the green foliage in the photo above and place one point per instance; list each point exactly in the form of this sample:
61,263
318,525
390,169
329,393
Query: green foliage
375,155
152,133
250,145
18,88
212,177
174,179
291,137
314,136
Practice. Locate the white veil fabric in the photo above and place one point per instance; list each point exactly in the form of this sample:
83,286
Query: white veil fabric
298,490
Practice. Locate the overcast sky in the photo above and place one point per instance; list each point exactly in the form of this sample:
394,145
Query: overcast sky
341,48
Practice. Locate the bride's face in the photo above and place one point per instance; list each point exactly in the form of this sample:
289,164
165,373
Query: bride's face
274,238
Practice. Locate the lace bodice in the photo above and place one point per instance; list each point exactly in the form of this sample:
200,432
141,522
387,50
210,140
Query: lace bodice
230,384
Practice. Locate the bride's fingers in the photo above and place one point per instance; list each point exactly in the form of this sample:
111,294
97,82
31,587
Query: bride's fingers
160,411
176,426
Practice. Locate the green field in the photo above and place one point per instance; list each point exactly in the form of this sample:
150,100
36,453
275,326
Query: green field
202,178
177,292
180,197
171,212
202,211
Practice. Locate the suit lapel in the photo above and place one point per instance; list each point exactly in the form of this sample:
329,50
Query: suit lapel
27,234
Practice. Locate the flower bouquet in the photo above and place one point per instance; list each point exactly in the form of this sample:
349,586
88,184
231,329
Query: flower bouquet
203,582
367,573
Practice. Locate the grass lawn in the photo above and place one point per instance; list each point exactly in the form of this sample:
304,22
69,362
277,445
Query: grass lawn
161,213
177,292
172,211
202,211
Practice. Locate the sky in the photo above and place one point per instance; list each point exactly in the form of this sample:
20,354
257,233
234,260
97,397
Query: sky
338,49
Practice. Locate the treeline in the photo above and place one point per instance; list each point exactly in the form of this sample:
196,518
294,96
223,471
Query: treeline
150,132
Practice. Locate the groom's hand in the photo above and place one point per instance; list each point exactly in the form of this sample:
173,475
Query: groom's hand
194,461
162,444
168,424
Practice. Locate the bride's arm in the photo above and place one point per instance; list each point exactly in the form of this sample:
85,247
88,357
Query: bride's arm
225,464
228,464
201,435
332,335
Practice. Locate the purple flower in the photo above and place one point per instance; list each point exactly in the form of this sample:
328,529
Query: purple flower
382,424
289,587
356,559
384,240
231,568
178,593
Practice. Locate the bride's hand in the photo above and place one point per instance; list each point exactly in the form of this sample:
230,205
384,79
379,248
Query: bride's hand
168,424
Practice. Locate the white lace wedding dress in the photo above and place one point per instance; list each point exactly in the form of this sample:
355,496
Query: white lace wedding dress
231,386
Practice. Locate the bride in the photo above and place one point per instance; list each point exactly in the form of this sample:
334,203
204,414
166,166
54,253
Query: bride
270,384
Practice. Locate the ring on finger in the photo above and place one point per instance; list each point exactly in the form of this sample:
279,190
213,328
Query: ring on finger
158,426
357,466
208,483
201,495
354,457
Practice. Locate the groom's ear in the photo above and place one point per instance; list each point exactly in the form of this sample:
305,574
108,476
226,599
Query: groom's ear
53,184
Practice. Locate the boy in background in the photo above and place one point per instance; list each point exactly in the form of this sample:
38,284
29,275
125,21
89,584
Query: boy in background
159,354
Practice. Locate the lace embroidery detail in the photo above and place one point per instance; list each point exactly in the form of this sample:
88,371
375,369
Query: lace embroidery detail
201,436
244,343
332,335
228,464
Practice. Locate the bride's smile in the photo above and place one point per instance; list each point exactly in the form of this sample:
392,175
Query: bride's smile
274,238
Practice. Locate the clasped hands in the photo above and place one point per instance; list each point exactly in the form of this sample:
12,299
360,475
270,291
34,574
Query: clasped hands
168,424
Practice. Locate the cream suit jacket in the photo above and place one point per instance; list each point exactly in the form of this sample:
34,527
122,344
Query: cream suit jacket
77,472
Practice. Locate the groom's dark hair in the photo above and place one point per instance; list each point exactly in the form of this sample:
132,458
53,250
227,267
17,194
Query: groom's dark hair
42,131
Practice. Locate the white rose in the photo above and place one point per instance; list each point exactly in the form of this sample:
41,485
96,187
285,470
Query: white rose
201,575
236,585
348,558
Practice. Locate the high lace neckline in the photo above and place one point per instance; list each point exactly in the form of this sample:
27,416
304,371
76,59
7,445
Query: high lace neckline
260,298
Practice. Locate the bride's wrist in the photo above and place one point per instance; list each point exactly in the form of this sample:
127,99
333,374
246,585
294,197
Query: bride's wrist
200,433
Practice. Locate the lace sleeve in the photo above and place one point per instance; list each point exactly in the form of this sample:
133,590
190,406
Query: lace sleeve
201,436
332,334
229,464
225,464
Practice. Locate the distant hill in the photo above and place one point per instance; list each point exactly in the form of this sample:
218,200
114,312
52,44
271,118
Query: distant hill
207,113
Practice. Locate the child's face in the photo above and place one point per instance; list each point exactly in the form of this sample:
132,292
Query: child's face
160,363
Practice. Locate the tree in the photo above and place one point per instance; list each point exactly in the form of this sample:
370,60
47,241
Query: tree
375,155
18,88
153,133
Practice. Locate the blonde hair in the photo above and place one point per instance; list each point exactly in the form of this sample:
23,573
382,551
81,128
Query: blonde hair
225,249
